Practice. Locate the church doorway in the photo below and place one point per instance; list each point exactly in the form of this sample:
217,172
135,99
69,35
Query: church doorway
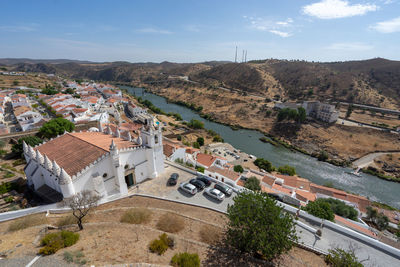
130,178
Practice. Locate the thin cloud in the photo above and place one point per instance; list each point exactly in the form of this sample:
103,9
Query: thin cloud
24,28
334,9
280,33
280,28
350,47
154,30
388,26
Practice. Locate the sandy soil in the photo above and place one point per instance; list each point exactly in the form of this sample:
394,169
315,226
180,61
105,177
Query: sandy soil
105,240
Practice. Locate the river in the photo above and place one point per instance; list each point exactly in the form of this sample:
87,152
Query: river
308,167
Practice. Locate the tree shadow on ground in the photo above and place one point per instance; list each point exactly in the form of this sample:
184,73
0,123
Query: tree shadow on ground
286,129
220,254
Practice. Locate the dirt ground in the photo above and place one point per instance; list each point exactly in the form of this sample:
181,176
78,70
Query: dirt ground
371,118
28,80
341,142
388,164
105,240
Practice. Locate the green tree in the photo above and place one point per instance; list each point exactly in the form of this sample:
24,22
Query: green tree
301,115
293,115
200,140
238,168
257,225
349,110
29,140
320,209
341,258
264,164
56,127
196,145
382,221
69,91
283,114
15,82
253,184
340,208
286,169
196,124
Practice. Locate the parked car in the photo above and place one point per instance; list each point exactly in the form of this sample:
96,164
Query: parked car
205,180
173,179
224,189
215,193
188,188
198,184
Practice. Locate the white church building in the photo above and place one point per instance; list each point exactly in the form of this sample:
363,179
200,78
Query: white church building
104,162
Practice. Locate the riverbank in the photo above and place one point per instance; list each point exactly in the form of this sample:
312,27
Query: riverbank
277,139
317,171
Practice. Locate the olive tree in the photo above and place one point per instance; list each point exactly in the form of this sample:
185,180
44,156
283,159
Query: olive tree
257,225
80,204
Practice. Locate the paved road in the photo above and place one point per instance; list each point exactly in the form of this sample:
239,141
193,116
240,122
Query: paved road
368,159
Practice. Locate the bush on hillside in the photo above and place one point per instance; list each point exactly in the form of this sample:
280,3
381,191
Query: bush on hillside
136,216
185,260
170,223
253,184
55,241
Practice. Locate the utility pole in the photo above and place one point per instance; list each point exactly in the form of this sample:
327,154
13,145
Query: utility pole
242,56
236,55
245,57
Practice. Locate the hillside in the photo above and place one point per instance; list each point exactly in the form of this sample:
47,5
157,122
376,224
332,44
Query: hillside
375,82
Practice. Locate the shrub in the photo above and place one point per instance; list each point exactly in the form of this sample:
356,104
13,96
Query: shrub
253,184
68,257
55,241
339,257
264,164
9,199
179,137
158,246
210,234
200,141
218,139
340,208
68,220
169,241
69,238
200,169
323,156
26,222
238,168
170,223
196,124
320,209
136,216
185,260
196,145
286,169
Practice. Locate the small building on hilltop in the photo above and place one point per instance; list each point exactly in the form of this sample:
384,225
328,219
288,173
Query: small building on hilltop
105,162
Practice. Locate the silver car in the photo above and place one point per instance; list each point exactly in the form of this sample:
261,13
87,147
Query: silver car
188,188
215,193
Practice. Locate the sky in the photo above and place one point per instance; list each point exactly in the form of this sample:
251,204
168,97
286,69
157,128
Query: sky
202,30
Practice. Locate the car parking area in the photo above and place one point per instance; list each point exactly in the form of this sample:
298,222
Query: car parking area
158,187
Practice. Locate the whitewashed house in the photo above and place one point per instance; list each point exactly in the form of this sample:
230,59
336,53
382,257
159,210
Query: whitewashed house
96,161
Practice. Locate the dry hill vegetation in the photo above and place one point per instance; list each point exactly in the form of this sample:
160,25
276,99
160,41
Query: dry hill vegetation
106,240
241,94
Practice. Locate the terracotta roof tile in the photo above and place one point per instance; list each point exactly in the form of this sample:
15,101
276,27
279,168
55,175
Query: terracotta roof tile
75,151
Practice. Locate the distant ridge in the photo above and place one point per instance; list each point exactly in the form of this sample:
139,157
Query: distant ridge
13,61
374,81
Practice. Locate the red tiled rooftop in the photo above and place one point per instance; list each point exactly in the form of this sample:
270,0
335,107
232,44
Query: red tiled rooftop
75,151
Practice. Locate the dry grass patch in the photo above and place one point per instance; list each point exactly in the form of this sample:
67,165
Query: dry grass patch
210,234
136,216
67,220
26,222
171,223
